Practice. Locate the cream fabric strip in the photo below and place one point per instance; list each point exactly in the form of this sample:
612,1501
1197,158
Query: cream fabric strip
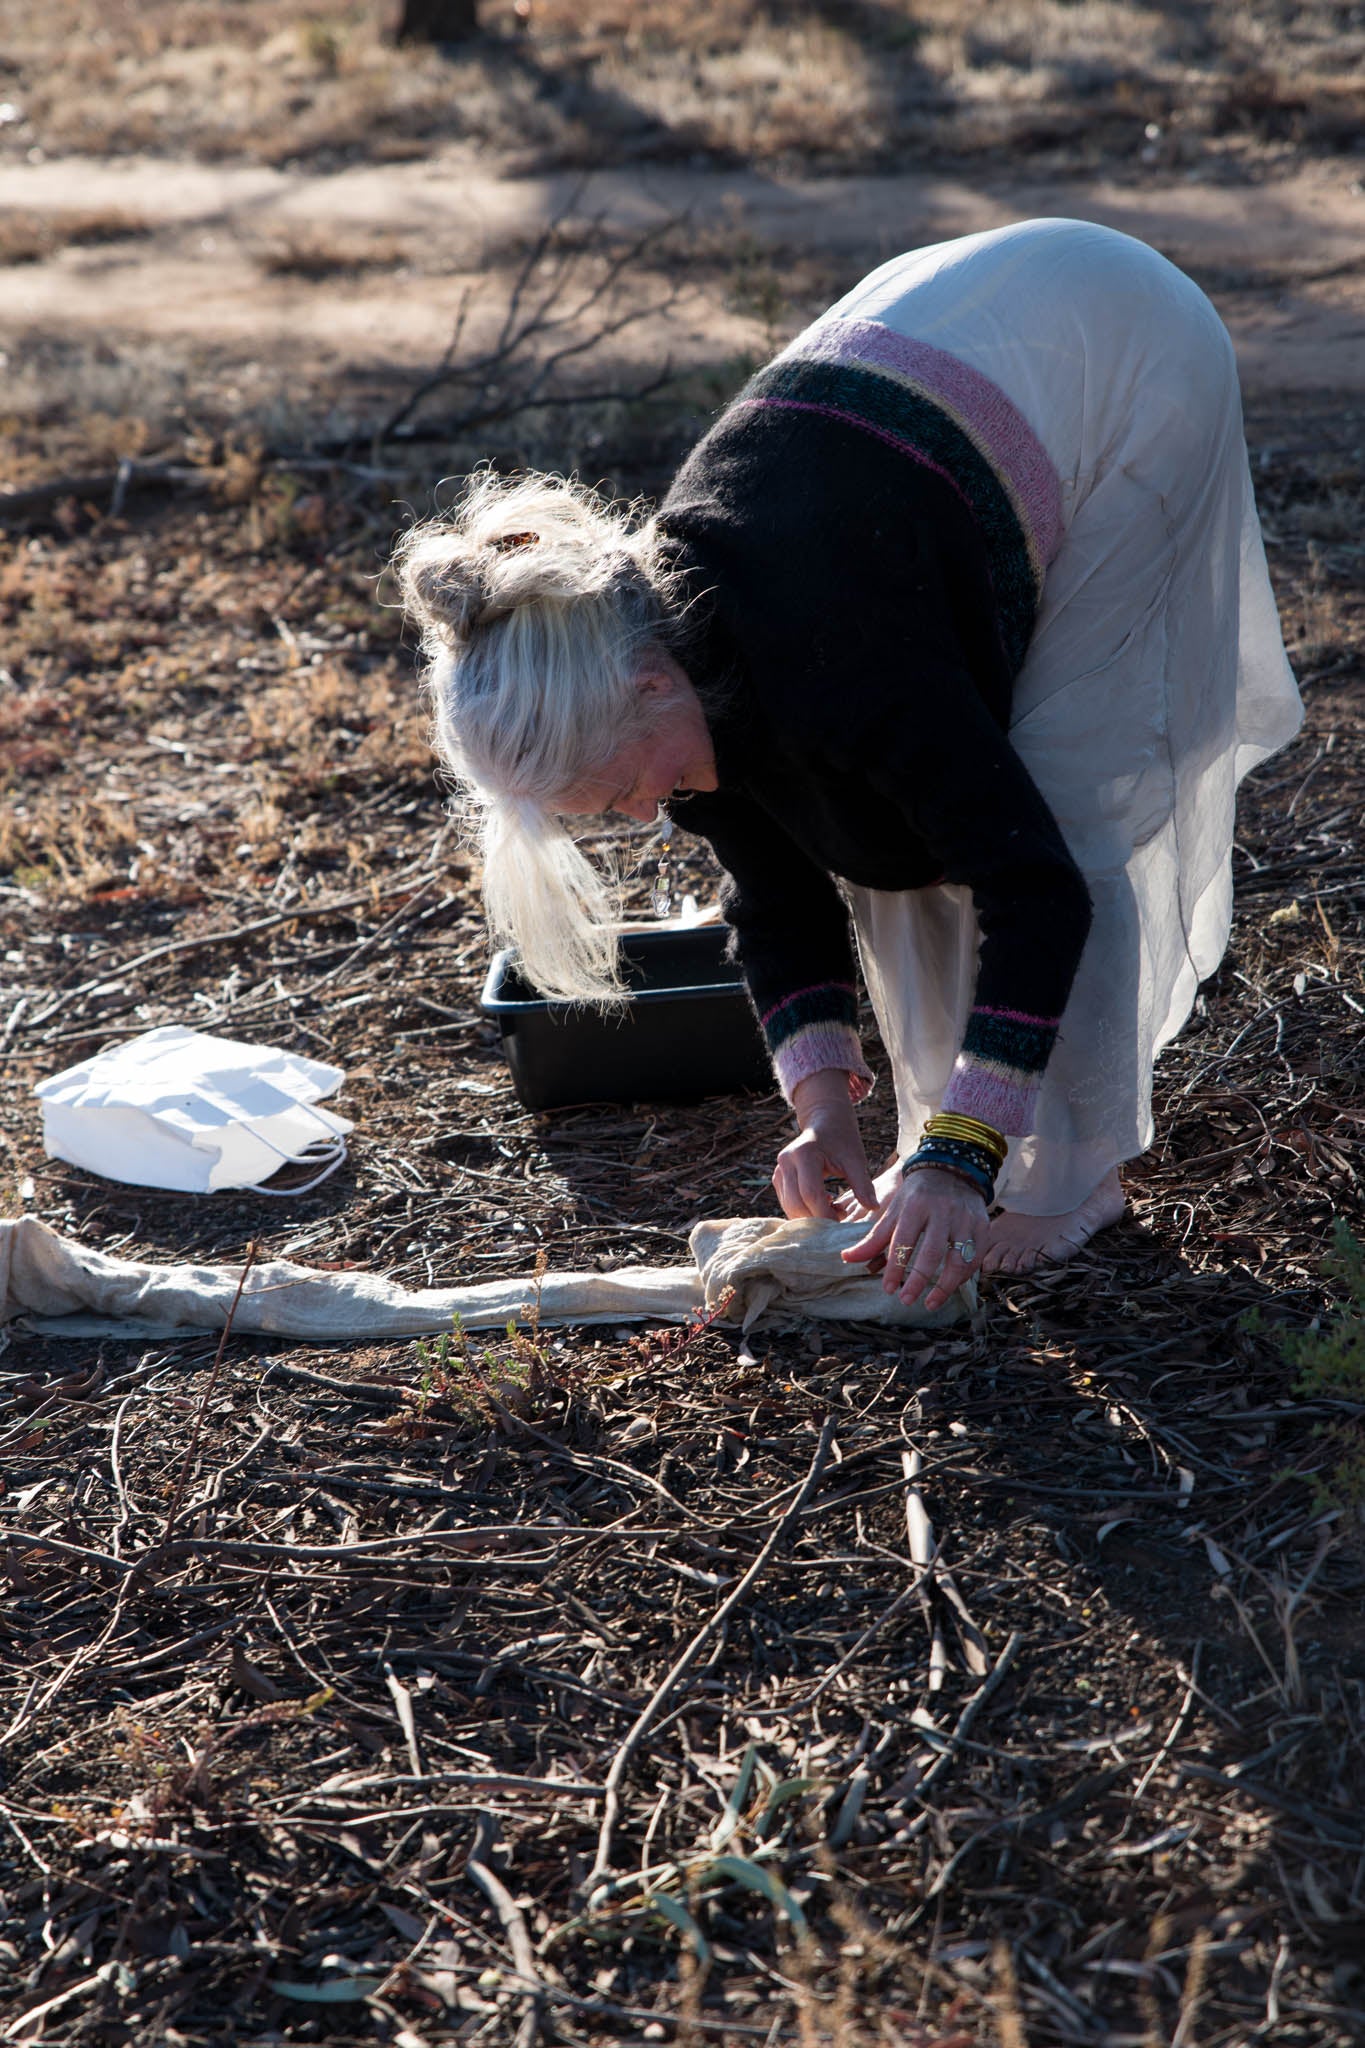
775,1270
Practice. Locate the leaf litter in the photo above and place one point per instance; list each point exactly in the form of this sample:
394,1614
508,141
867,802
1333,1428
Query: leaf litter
1003,1685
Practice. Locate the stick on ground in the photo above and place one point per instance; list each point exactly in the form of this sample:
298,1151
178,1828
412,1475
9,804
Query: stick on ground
602,1865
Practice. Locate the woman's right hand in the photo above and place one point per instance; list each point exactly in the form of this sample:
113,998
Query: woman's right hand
829,1145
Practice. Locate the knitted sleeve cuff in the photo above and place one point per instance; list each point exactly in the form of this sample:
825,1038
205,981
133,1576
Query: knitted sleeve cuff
817,1048
814,1029
999,1070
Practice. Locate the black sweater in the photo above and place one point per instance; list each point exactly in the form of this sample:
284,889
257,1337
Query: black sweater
841,627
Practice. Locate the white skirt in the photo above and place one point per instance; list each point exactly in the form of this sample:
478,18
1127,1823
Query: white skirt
1155,679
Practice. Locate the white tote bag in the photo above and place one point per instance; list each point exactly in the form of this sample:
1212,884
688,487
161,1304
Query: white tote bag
178,1109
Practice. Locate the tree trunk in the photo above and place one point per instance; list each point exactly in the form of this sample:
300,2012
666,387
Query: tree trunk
437,21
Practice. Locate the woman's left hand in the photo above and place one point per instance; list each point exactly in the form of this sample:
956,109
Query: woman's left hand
932,1233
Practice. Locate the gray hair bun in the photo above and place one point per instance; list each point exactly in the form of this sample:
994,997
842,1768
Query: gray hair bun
529,540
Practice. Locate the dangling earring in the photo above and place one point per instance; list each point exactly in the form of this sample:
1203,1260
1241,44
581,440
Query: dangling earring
661,895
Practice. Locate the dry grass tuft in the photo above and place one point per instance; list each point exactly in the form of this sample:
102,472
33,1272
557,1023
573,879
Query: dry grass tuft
314,255
33,237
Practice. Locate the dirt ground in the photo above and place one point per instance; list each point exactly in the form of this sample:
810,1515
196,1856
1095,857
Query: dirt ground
323,1669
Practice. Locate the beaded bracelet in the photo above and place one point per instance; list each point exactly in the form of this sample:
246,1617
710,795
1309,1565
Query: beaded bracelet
958,1152
971,1163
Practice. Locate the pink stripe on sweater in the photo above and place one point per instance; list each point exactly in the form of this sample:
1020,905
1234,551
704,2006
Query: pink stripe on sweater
1006,437
844,987
1014,1016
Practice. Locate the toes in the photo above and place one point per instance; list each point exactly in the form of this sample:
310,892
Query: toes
1020,1244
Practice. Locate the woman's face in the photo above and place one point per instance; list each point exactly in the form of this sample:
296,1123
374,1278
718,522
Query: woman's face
673,756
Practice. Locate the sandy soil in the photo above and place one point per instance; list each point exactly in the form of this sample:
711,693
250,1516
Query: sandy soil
1295,306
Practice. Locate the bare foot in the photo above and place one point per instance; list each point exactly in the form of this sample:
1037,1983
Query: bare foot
1019,1243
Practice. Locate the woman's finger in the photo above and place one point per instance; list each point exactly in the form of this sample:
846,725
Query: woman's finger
919,1270
876,1240
912,1249
835,1136
787,1188
811,1170
902,1215
938,1277
813,1205
855,1171
799,1182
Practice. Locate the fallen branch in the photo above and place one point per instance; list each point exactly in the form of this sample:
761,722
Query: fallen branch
1173,1735
36,2014
114,484
924,1553
375,1548
621,1762
473,1781
300,913
196,1434
962,1728
1323,1826
407,1720
74,1551
513,1925
373,1393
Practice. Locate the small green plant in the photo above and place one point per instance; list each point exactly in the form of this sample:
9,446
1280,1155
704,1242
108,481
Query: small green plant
438,1363
1331,1361
1330,1358
482,1384
762,1823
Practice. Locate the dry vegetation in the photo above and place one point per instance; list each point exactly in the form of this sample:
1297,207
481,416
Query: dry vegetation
317,1665
835,83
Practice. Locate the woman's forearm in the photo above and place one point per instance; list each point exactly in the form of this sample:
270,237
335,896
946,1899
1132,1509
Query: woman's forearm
826,1089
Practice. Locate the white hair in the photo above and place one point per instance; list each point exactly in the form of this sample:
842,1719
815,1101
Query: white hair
538,602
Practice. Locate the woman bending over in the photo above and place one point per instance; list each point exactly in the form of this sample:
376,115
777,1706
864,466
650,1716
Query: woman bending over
954,637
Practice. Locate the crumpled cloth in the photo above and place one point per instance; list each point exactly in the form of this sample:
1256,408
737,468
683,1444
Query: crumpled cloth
744,1269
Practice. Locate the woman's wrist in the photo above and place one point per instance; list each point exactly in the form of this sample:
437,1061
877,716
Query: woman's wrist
827,1088
979,1183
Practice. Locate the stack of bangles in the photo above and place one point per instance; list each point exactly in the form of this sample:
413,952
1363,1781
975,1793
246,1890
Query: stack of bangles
960,1145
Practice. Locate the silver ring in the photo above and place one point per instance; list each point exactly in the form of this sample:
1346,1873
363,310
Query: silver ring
965,1247
901,1255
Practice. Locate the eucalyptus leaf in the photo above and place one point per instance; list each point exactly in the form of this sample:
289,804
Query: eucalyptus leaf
780,1796
339,1991
674,1911
734,1805
754,1878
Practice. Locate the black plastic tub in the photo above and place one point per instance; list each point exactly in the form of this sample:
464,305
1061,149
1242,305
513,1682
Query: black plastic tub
686,1029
